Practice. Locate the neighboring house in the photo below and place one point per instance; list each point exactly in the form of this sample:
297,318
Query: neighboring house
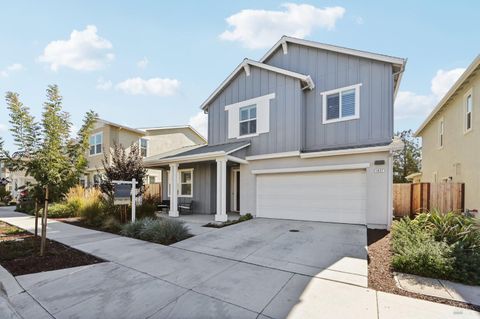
451,137
152,141
305,133
16,180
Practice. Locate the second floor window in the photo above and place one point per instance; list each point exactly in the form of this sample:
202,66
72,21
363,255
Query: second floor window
248,120
468,111
143,147
96,142
341,104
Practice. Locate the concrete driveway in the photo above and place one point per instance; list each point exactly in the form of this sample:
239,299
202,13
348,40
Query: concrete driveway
325,250
256,269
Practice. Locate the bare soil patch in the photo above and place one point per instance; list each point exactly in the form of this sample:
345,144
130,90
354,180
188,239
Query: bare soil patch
20,253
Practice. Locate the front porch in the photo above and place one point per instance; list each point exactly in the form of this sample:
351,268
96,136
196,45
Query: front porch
207,177
196,222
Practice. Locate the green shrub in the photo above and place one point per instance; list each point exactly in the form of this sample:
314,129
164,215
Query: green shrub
162,231
26,206
146,210
245,217
60,210
438,245
112,224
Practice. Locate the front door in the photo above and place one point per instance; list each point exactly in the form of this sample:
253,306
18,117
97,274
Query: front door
235,186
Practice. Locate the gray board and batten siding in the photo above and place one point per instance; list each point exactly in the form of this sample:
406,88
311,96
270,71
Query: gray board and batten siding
296,115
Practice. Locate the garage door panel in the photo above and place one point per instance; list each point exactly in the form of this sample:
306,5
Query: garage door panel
320,196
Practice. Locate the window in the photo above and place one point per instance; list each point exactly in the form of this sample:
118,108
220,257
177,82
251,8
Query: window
96,142
468,111
143,147
341,104
184,182
441,131
248,120
250,117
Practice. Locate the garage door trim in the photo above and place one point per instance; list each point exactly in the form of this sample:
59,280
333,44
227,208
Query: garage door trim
312,169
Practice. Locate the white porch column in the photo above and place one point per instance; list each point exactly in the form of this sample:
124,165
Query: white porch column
173,191
221,215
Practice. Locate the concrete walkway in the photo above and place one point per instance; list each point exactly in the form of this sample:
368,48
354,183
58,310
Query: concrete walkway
146,280
439,288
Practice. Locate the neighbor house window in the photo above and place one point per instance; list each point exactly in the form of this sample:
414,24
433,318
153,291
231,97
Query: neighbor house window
143,147
441,132
341,104
96,141
468,111
185,183
248,120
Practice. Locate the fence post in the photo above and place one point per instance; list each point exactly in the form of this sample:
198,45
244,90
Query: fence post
134,200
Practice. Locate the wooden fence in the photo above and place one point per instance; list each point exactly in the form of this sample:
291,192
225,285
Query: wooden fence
410,199
154,190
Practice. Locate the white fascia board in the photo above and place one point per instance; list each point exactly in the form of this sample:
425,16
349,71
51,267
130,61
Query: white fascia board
334,48
352,151
302,77
273,155
312,169
471,68
236,159
187,158
123,127
237,149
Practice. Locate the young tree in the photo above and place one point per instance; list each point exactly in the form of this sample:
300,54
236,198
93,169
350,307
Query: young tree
125,166
46,151
408,160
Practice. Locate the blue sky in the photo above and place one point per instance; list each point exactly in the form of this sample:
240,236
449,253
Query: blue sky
152,63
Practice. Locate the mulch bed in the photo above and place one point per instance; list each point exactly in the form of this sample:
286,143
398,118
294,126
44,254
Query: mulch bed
19,253
380,272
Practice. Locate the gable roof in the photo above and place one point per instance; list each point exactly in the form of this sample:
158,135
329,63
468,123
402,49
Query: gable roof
205,152
398,63
173,127
245,65
123,127
470,71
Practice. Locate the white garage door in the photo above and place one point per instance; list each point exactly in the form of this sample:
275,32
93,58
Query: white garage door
338,196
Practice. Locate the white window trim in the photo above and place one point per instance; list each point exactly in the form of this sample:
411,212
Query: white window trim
179,183
355,87
140,146
465,97
89,145
441,133
262,104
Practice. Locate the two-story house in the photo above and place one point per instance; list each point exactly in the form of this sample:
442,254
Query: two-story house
451,137
151,141
304,133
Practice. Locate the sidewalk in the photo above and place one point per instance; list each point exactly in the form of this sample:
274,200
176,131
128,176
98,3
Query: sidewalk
146,280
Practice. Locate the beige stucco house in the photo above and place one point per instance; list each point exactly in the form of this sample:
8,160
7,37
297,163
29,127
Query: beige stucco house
451,137
152,141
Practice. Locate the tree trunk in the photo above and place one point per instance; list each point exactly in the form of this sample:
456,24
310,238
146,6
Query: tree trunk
44,224
36,218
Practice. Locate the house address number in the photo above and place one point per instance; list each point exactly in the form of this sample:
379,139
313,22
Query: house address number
379,170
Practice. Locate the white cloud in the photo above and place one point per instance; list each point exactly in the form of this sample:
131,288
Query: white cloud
443,81
261,28
15,67
103,84
84,51
200,123
142,64
153,86
3,128
411,105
